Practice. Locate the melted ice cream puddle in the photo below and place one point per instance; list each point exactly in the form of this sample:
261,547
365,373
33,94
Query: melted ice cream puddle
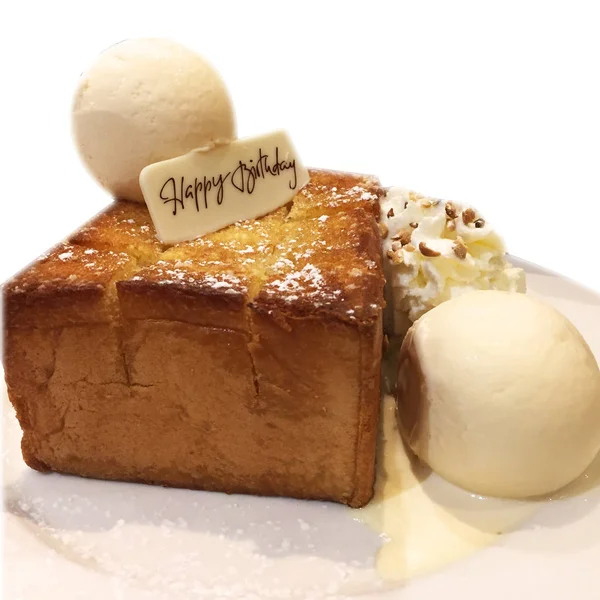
429,522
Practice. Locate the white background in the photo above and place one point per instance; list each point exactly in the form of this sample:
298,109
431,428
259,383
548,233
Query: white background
493,104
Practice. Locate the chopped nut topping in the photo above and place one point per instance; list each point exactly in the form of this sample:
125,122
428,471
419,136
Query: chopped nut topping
409,248
406,204
383,229
426,204
479,223
459,248
435,202
451,225
390,213
414,224
425,251
395,258
403,236
396,246
451,210
468,216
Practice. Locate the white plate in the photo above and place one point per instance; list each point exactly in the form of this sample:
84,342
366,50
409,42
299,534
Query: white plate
68,538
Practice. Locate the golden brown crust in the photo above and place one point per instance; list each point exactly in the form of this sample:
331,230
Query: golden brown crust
71,284
194,300
320,272
248,359
371,342
119,246
123,227
336,191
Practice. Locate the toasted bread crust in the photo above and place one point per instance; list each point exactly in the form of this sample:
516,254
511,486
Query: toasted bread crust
266,333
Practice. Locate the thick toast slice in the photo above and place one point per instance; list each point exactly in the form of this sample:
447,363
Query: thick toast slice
245,361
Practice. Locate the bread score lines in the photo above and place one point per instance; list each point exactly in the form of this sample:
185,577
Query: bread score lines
206,190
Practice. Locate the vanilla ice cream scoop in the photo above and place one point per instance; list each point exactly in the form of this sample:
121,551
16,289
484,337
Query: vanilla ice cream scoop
145,101
499,394
434,251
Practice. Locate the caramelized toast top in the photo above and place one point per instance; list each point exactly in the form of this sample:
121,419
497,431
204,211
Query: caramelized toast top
318,255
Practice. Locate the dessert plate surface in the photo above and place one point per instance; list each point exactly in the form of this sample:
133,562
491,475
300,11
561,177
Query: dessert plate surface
67,537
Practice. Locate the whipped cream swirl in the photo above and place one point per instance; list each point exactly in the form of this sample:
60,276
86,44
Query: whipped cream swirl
435,250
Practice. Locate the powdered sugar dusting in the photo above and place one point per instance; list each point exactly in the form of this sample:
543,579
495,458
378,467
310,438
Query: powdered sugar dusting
119,540
192,273
70,265
307,283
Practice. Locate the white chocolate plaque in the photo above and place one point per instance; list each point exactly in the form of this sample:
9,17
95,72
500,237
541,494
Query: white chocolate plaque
206,190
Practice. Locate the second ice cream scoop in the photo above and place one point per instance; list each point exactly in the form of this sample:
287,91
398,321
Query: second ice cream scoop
500,394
